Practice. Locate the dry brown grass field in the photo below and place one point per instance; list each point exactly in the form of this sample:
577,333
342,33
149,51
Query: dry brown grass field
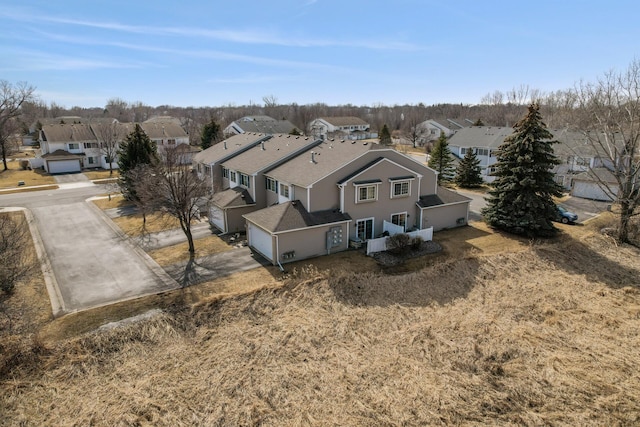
9,178
494,330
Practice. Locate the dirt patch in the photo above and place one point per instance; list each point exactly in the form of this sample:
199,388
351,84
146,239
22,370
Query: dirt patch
390,259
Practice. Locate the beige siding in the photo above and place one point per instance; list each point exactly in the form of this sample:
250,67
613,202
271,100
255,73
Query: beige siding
445,216
385,206
235,222
309,243
325,195
271,197
300,193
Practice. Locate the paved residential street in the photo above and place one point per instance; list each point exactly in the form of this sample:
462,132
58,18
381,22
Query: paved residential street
92,263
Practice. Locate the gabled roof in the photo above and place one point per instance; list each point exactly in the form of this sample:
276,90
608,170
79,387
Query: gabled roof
328,157
412,172
68,133
292,216
443,197
265,126
344,121
232,198
163,130
228,148
61,154
269,153
480,136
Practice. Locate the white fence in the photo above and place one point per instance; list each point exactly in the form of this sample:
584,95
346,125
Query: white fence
379,245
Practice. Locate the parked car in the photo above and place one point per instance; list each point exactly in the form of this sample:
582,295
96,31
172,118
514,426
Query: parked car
566,217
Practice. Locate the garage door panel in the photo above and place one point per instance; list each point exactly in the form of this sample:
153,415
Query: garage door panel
64,166
261,241
216,217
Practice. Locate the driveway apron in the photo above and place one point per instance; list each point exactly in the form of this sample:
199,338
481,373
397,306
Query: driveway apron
92,263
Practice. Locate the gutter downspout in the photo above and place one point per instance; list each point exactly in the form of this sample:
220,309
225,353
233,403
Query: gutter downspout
278,254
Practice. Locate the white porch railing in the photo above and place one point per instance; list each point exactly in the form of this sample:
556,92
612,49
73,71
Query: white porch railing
379,245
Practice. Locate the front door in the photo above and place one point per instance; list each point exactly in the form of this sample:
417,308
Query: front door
364,229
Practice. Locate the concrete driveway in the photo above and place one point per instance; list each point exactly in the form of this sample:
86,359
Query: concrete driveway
93,264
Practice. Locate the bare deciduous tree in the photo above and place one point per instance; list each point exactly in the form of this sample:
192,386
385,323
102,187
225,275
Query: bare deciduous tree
15,261
608,113
174,189
11,99
109,136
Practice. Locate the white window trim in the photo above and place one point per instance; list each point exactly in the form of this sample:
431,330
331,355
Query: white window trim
406,218
373,225
287,196
275,182
399,181
371,184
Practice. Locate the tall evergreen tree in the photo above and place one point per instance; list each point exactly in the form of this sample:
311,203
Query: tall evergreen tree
441,159
211,134
521,199
385,135
137,149
468,171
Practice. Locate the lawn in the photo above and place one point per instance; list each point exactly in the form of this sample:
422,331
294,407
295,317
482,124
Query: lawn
9,178
101,174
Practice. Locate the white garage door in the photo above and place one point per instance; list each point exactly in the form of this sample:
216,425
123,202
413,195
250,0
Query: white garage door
261,241
216,217
590,190
64,166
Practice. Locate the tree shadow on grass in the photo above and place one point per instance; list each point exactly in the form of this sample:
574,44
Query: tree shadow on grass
576,257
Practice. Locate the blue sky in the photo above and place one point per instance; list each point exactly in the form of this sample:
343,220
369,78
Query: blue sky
213,53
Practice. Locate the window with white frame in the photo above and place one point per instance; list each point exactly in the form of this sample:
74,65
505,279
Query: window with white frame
463,151
232,176
91,160
482,151
400,188
244,180
225,172
284,190
171,141
399,219
272,185
74,146
91,145
367,193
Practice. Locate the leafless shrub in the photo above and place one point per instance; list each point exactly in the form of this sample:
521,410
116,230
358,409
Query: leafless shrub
398,243
14,259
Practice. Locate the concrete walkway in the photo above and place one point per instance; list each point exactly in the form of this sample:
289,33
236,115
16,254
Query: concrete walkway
214,266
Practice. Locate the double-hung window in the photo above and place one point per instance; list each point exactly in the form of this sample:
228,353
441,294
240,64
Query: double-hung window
401,186
232,176
272,185
244,180
367,193
284,190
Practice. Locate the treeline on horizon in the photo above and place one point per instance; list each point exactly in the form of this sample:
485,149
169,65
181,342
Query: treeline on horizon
494,109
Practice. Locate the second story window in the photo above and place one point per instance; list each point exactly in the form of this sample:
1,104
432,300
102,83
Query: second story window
284,190
400,189
74,146
225,172
272,185
244,180
367,193
232,176
171,141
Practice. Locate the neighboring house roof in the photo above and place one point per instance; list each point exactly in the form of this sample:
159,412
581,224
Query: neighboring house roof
444,197
480,136
68,133
232,198
292,216
163,130
163,119
269,153
328,157
449,124
265,126
61,154
228,148
344,121
256,119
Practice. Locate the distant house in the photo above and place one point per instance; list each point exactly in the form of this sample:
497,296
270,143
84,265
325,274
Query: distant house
434,127
595,184
72,147
351,128
484,141
259,124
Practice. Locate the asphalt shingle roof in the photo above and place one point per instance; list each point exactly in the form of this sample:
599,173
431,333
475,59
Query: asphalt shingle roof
268,153
232,198
444,197
228,148
327,158
292,216
344,121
